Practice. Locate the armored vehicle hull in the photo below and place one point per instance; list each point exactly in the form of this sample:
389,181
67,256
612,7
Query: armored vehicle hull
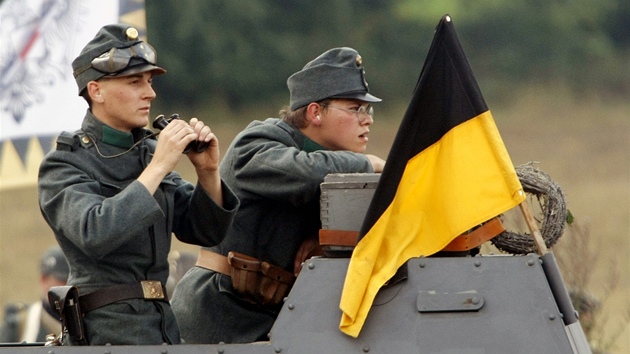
481,304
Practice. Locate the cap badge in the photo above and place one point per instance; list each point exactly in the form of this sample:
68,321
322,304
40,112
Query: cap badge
132,33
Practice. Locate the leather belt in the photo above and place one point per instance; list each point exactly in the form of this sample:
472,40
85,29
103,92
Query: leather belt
145,289
213,261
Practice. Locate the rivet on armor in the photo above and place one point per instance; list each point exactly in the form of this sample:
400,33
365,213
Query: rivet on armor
477,263
366,349
422,264
311,266
531,262
291,306
277,349
132,33
552,316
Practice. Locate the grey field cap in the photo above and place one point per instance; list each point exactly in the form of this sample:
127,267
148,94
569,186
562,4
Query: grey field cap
54,263
109,36
337,73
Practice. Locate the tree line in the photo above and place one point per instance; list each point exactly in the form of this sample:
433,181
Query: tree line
238,54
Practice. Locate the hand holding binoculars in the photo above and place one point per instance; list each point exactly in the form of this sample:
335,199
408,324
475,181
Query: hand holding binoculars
160,122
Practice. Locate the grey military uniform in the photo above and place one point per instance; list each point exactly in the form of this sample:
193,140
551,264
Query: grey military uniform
113,231
276,172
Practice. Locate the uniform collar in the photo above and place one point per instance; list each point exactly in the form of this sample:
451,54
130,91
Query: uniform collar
305,143
118,138
109,135
311,146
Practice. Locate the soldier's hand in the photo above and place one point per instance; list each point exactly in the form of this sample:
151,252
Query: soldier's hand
377,163
208,160
171,143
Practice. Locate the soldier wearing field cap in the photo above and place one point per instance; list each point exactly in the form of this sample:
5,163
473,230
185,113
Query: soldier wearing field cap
275,167
32,323
111,196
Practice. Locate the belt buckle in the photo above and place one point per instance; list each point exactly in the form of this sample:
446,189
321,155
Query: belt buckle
152,289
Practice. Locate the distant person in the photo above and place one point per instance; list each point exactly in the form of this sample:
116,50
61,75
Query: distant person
276,167
32,323
113,200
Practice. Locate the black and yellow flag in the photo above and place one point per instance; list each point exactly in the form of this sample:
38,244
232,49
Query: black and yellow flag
447,171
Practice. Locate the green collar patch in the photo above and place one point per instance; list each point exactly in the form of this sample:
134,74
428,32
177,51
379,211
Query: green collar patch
310,146
115,137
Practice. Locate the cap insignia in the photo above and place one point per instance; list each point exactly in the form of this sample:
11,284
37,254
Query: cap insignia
359,60
132,33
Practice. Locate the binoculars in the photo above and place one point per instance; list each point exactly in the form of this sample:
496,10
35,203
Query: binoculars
160,122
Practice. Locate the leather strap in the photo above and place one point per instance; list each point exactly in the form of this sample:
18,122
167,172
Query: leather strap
329,237
463,242
146,289
213,261
477,237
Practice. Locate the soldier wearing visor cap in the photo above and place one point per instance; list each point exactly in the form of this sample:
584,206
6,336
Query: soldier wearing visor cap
275,167
111,196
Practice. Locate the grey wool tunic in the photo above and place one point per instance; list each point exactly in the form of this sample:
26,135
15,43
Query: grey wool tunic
276,172
113,231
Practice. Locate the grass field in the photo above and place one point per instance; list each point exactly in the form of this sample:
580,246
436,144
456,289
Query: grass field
584,145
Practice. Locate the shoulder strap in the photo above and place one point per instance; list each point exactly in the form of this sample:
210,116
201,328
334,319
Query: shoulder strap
67,141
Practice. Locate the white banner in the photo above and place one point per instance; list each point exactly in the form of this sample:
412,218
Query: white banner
38,94
40,38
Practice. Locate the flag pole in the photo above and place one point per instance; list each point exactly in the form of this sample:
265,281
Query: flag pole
557,286
539,242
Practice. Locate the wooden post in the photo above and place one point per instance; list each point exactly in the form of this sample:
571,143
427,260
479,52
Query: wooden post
539,242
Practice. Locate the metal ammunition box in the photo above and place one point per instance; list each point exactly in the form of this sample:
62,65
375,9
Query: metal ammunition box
345,198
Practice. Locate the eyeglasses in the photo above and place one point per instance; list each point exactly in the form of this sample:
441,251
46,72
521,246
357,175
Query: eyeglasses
360,112
117,59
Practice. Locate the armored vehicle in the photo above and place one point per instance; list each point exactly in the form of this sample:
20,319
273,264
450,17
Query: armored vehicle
452,302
